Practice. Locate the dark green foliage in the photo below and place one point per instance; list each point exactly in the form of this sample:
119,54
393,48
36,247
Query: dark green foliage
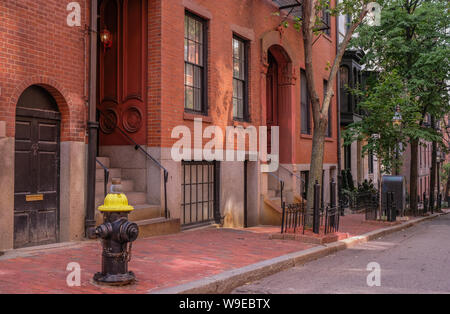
410,52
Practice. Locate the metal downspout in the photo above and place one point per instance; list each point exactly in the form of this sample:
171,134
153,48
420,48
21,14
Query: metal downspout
93,125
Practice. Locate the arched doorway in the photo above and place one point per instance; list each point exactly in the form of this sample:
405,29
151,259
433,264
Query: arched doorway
36,171
272,98
280,82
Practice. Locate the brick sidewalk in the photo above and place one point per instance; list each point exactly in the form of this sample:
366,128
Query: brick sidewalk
158,262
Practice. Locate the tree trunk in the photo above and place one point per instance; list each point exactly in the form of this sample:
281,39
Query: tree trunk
316,169
320,113
413,176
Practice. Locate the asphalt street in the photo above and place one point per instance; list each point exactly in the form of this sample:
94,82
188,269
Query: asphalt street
415,260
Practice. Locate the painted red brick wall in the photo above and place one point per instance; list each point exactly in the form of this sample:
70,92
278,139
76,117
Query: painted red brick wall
154,73
254,18
37,47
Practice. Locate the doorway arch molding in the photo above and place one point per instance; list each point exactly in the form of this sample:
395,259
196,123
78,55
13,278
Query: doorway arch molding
274,43
276,38
61,96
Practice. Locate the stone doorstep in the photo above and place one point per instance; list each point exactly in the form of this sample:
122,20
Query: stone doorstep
229,280
310,239
158,227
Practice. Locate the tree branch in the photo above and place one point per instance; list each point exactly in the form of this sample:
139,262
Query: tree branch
338,59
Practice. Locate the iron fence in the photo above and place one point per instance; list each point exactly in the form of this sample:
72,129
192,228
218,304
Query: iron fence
295,217
368,202
330,219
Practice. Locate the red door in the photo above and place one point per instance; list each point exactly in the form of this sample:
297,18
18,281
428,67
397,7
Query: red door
122,72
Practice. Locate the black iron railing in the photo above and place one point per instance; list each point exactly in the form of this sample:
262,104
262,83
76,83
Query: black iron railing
367,202
294,216
281,187
332,214
332,218
301,181
106,174
139,147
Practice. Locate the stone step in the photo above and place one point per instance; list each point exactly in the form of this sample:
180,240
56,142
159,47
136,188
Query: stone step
113,173
127,186
274,203
145,212
134,199
105,161
140,213
158,226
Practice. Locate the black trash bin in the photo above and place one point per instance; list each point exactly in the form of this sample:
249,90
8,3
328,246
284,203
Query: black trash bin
393,196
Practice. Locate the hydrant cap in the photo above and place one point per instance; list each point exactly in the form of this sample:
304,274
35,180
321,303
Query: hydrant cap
116,203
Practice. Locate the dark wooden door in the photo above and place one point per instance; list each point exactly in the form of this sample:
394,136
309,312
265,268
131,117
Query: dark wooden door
272,99
36,190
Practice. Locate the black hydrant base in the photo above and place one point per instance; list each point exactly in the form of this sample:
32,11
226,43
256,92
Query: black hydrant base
115,280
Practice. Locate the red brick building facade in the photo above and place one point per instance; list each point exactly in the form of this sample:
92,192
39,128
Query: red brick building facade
144,91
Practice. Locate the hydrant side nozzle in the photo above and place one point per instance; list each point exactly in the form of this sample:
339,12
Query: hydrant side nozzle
104,231
129,232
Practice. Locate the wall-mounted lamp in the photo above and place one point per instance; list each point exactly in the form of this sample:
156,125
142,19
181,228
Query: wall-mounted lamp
397,119
106,39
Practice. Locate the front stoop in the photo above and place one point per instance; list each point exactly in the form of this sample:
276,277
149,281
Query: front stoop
149,217
158,227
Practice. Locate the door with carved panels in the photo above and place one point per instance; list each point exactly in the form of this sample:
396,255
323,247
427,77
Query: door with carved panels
123,72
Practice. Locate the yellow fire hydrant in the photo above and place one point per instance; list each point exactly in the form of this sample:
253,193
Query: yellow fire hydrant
117,234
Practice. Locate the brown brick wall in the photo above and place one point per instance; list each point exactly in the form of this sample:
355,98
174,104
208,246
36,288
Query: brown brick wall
37,47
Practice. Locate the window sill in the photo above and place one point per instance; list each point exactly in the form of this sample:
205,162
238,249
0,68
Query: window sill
329,139
192,116
243,123
306,136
